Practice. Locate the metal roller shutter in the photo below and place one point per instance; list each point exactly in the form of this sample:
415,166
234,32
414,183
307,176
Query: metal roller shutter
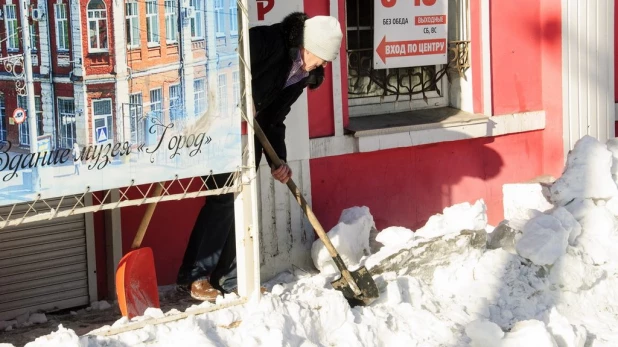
43,265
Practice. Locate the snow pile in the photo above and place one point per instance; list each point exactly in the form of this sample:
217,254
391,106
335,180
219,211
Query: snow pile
548,278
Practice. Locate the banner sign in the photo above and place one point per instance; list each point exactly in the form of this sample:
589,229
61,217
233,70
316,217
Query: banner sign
410,33
162,123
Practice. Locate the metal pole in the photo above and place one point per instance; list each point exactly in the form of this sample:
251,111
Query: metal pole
31,112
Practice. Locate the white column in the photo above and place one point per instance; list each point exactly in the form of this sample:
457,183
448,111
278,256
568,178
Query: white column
123,129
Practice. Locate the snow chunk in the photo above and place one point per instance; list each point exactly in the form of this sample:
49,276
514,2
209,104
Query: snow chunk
571,274
612,146
587,173
394,236
37,318
454,219
100,305
544,240
524,333
62,337
4,325
484,333
563,332
598,226
350,237
521,197
569,223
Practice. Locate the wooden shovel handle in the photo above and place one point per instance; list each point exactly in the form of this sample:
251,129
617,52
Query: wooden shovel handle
295,191
143,226
308,211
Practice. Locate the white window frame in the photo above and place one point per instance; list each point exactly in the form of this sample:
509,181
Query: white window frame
223,105
153,34
97,16
175,102
136,118
156,105
171,21
62,27
33,36
199,96
66,116
233,18
197,21
391,103
132,24
11,28
219,18
109,119
24,128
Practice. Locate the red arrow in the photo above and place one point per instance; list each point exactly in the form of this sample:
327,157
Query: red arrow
389,49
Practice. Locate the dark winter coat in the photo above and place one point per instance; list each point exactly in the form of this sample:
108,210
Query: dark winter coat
273,51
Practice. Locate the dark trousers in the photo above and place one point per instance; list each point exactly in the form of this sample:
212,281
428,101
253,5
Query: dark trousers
211,251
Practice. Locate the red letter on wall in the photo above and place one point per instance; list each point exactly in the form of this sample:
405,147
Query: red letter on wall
263,7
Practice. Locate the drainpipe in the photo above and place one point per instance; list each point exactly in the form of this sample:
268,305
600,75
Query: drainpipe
31,114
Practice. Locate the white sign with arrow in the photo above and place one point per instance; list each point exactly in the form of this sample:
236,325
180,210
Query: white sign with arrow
410,33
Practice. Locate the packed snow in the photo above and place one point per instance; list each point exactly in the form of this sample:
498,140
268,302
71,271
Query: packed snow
545,277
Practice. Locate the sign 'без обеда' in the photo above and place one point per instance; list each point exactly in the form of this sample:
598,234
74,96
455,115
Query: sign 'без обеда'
410,33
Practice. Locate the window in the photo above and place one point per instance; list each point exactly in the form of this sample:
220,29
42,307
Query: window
171,21
175,103
152,22
223,93
2,119
197,22
24,128
236,88
219,18
156,97
97,26
66,118
10,21
132,18
33,36
366,85
103,125
62,27
136,119
199,96
233,17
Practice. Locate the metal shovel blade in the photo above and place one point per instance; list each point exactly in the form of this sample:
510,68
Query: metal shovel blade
366,292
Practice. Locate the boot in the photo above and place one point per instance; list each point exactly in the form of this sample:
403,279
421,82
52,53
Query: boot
202,290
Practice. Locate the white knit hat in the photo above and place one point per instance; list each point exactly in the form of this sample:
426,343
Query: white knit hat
322,37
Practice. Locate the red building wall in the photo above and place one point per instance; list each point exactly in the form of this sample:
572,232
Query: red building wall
406,186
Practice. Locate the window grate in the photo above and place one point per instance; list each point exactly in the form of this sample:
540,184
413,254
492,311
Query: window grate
363,80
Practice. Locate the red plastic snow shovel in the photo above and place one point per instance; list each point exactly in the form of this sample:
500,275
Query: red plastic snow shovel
358,287
136,278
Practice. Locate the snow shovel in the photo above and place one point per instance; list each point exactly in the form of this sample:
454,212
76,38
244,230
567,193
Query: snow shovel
136,278
357,286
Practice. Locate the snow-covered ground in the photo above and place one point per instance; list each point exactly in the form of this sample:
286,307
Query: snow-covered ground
545,277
